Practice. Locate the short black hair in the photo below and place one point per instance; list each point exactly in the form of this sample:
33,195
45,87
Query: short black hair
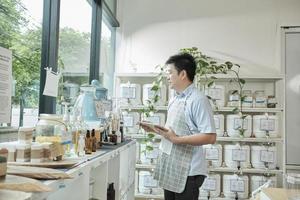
184,61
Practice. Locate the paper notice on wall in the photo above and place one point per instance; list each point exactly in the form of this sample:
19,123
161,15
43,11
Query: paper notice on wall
51,85
5,85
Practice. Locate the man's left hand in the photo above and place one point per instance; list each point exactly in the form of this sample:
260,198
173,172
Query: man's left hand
169,134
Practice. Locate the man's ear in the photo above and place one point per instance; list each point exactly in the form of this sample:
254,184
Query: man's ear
183,75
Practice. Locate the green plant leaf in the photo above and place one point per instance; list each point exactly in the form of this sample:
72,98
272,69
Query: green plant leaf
210,83
234,92
235,110
242,81
150,135
149,148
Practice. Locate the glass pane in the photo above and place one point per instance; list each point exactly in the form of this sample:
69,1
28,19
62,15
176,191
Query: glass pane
107,68
74,48
112,5
20,25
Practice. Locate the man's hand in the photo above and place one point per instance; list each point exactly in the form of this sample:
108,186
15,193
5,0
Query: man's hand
148,127
168,134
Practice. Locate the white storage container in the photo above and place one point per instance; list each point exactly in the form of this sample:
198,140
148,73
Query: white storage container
213,154
257,181
130,94
130,122
248,99
237,155
217,93
265,125
211,186
146,182
148,94
234,185
149,157
23,152
263,156
219,123
37,153
234,123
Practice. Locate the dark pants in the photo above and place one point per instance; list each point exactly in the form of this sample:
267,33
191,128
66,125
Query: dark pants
190,192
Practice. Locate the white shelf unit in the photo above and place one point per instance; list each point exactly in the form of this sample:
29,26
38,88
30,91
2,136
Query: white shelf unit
271,84
93,173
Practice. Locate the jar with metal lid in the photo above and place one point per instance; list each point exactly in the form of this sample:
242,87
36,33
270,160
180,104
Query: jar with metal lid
50,125
233,98
247,98
260,99
271,102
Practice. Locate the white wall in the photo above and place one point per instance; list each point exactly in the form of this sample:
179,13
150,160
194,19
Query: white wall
244,31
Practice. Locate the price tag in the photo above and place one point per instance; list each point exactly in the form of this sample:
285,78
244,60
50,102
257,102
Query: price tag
239,155
237,186
128,92
217,122
128,121
150,182
212,154
267,124
238,124
267,156
210,184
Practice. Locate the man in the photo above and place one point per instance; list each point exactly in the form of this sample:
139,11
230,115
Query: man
181,167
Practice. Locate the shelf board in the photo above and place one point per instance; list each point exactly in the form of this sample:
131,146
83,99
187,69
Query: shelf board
148,196
142,136
138,75
221,109
145,166
232,139
251,110
250,171
221,139
138,107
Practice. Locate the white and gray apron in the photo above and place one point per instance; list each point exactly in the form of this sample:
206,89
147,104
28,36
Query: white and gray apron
172,169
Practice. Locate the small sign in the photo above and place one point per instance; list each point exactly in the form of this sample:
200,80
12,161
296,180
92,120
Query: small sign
210,184
267,156
128,92
237,186
217,122
128,121
239,155
51,85
267,124
150,182
238,123
211,154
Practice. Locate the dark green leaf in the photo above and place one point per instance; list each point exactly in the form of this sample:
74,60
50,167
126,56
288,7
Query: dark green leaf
242,81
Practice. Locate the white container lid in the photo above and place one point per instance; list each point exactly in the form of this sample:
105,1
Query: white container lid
21,146
36,147
46,145
25,129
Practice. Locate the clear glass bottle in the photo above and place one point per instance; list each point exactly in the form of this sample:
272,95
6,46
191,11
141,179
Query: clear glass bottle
260,99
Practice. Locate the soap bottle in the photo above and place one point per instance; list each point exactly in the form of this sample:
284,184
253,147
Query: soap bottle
88,142
94,141
111,192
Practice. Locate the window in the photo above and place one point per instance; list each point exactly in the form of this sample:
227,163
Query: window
74,48
107,57
21,32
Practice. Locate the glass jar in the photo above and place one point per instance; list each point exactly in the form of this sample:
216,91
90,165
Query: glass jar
260,99
50,125
293,186
233,98
248,99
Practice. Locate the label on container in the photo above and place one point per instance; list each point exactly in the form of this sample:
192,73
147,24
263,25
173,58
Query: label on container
210,184
128,92
234,97
239,155
267,156
128,121
217,122
212,154
237,186
215,93
239,122
267,124
150,182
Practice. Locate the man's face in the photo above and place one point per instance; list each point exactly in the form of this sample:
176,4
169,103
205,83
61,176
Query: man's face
174,78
